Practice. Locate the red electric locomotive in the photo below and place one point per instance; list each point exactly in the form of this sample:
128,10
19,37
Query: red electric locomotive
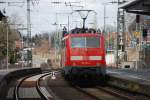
83,55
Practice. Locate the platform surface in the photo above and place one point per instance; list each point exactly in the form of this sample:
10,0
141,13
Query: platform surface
5,72
142,76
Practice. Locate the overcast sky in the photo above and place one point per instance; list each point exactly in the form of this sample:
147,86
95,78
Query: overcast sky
43,14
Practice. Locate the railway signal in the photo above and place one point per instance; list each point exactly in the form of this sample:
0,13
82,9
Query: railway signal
1,16
64,31
145,31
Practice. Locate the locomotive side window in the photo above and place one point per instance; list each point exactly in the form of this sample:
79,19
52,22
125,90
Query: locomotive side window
92,42
78,42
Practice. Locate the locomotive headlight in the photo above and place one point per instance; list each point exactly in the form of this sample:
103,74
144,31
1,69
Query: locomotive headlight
95,57
76,57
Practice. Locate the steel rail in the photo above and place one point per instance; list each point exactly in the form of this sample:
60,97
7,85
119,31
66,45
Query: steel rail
16,89
39,89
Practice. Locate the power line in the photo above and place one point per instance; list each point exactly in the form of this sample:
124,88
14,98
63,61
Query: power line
69,4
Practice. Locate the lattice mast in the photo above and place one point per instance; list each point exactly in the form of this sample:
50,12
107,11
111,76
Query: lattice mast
121,42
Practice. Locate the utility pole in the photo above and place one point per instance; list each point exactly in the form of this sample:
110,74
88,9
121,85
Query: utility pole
68,23
29,28
104,19
28,23
56,40
7,32
7,44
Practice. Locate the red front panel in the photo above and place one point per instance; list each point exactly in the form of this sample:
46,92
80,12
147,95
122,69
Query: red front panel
85,56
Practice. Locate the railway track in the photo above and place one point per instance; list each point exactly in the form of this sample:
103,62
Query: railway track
115,93
41,91
100,93
61,90
124,94
87,93
110,93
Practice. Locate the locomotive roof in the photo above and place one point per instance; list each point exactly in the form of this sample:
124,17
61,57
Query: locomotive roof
81,35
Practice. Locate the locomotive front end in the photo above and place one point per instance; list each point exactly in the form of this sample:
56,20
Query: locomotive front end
85,56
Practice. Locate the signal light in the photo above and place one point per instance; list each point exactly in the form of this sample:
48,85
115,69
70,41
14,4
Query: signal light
145,31
64,31
1,16
137,18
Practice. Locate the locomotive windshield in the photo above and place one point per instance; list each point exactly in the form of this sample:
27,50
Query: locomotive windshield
85,42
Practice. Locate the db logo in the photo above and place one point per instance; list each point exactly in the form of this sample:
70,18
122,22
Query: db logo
85,58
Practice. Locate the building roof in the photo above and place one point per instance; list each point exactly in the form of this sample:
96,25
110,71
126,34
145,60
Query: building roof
137,6
128,4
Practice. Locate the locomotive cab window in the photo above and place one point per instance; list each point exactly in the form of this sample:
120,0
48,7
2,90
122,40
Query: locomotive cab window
78,42
85,42
92,42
